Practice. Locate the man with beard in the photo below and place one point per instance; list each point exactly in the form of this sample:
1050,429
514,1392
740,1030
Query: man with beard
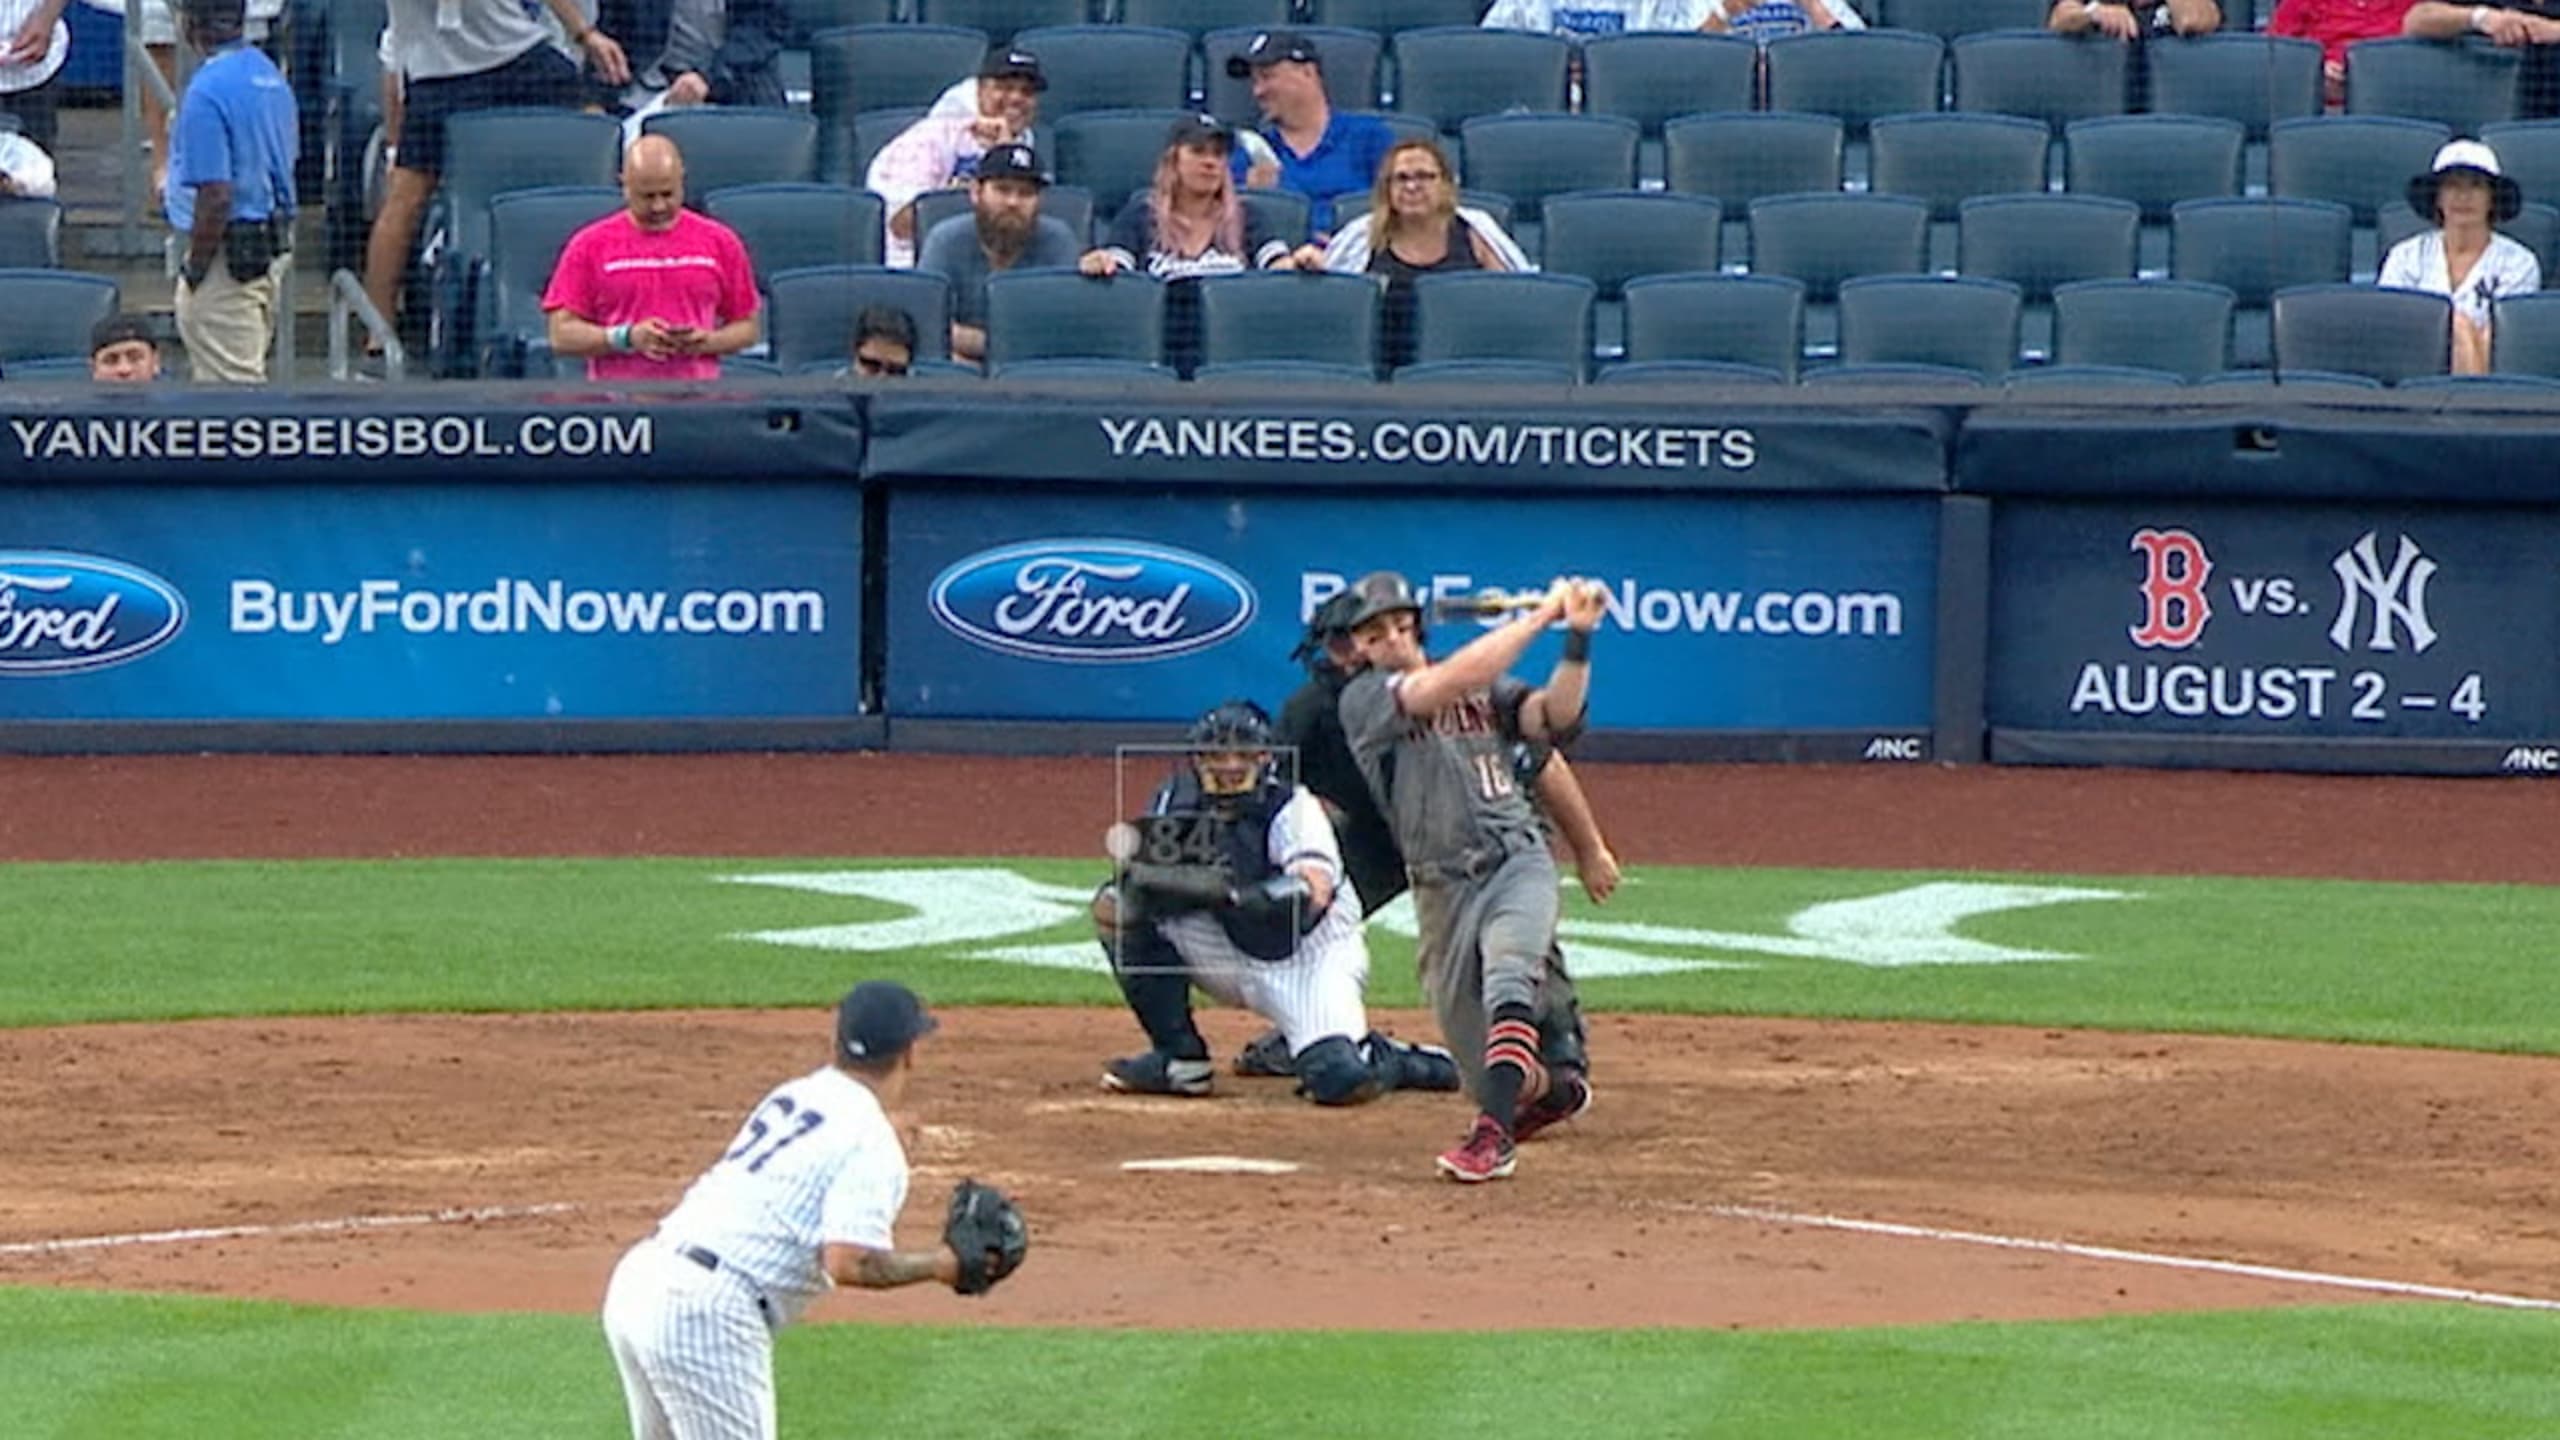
1004,230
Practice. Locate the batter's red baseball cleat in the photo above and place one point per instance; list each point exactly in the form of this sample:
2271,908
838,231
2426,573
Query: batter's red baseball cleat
1486,1155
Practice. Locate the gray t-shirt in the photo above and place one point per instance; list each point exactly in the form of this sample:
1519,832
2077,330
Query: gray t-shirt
952,248
1447,783
476,35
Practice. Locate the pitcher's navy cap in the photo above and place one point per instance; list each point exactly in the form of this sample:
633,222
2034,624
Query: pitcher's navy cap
879,1018
1270,48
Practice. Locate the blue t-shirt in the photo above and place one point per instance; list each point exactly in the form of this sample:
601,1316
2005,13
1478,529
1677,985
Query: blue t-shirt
1345,159
235,126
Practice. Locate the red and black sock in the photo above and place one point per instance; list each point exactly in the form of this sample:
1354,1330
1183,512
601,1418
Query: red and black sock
1512,1070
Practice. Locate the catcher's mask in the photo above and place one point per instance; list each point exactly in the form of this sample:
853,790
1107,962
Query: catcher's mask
1383,592
1231,747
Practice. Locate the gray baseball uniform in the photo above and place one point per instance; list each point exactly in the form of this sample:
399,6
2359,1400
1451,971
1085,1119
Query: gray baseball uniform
1484,881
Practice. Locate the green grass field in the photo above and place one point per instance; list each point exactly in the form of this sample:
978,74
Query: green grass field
2462,967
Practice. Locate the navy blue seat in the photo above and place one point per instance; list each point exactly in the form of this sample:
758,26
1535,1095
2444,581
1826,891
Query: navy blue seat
2389,335
2181,327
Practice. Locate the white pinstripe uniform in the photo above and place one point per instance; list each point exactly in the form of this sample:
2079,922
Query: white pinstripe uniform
1319,990
691,1310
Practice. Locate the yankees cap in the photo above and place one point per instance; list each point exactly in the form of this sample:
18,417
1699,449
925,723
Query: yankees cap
1012,161
879,1018
1270,48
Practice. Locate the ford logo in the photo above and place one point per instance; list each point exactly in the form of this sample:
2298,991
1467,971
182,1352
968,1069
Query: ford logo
1091,600
62,613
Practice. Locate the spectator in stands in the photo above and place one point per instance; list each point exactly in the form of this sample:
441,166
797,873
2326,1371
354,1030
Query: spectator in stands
1415,226
884,343
1303,145
2531,23
1597,17
231,193
705,52
2465,257
26,172
460,55
657,292
1766,20
38,41
1189,222
160,40
942,149
2129,19
1004,230
123,351
2337,24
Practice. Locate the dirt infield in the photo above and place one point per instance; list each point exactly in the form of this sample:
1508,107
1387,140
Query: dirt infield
1690,1196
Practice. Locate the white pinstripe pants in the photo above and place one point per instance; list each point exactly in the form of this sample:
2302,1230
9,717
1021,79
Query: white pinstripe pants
695,1353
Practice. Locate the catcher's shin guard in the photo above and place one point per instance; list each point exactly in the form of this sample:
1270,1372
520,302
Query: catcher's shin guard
1158,989
1409,1067
1333,1071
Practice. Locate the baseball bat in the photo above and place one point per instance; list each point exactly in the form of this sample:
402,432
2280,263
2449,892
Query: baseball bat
1487,602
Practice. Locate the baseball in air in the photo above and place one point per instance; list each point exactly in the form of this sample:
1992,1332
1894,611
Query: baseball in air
1120,842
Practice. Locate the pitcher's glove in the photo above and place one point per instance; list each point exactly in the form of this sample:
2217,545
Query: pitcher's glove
987,1233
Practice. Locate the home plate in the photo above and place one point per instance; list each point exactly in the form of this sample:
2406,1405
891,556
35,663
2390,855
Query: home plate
1215,1165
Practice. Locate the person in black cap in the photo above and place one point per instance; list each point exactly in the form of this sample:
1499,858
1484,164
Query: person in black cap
802,1199
1189,222
1315,151
123,351
945,149
1004,230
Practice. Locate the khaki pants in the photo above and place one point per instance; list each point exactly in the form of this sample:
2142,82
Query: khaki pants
229,327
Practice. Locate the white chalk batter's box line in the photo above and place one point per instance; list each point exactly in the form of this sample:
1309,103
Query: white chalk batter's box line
1755,1214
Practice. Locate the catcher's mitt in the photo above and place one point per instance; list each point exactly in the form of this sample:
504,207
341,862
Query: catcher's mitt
987,1233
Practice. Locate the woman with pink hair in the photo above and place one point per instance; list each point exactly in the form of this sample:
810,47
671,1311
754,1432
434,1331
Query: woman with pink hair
1190,221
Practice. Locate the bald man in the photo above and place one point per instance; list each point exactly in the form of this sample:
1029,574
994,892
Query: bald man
657,292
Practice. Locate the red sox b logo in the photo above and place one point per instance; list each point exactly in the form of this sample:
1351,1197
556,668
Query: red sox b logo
2174,607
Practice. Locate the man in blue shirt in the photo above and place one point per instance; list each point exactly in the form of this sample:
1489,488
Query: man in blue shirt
1314,151
231,194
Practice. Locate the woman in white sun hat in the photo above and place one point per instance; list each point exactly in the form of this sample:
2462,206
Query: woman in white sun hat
2465,257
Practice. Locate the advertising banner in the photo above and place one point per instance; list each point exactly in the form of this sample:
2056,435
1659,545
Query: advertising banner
2192,625
1726,612
562,601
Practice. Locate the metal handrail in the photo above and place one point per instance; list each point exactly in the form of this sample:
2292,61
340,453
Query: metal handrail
348,300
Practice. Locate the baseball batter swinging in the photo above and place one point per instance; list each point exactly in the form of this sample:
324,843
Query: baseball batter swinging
1434,741
1237,887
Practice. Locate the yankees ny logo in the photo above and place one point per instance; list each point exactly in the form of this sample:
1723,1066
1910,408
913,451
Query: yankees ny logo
2399,595
2174,607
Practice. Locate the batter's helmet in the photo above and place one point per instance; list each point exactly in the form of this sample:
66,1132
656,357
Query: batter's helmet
1230,727
1382,592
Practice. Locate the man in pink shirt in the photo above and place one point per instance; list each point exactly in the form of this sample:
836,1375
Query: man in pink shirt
657,292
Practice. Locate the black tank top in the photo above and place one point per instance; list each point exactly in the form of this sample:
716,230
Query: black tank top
1461,255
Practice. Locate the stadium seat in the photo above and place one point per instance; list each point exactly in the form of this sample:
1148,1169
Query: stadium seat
2089,377
1823,239
1503,315
1064,315
1855,76
1687,373
1889,373
1069,205
51,311
1082,367
2463,85
1948,19
2155,161
1199,17
809,17
1530,157
1350,62
2254,79
1281,213
2483,387
2526,338
2177,326
1487,372
1281,374
2389,335
1961,323
1453,74
813,310
1110,67
1612,236
2255,248
748,367
2529,154
738,145
1393,17
1309,317
791,227
51,369
1741,158
2037,242
1001,18
1654,76
2300,384
491,153
1109,152
30,234
526,230
1947,158
859,71
2360,161
2051,78
1753,320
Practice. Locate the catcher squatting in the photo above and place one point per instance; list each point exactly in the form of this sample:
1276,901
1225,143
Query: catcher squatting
1253,889
804,1197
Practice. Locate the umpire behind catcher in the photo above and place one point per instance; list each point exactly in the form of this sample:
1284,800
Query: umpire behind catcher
802,1199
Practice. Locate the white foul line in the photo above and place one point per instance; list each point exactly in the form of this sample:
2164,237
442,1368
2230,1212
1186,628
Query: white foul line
303,1227
2133,1257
